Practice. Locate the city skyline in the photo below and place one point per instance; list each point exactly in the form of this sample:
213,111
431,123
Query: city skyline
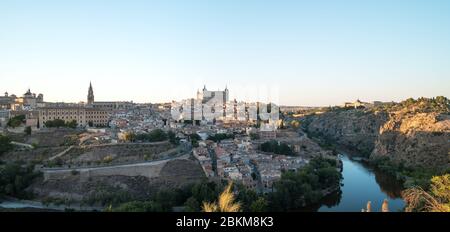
312,54
264,94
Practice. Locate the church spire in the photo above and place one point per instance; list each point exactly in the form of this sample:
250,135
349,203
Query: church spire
90,97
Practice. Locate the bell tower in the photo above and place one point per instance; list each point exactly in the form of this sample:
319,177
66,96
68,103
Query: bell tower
90,97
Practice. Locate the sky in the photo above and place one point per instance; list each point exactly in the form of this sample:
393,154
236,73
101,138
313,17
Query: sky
311,53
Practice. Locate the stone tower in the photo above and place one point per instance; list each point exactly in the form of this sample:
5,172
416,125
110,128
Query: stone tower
90,97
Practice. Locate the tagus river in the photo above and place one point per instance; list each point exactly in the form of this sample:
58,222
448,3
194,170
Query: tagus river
362,183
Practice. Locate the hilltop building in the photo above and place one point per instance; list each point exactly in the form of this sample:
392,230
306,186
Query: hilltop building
357,104
28,101
83,114
206,95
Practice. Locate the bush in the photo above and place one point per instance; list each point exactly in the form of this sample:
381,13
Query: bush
61,123
15,178
277,148
219,137
16,121
27,130
5,144
156,135
254,136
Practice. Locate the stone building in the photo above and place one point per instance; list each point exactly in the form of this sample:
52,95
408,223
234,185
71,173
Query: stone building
28,101
82,114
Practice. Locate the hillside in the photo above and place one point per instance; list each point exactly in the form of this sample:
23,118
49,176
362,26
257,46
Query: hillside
413,133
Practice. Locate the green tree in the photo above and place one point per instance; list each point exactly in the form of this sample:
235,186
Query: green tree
15,178
220,136
55,123
27,130
192,205
194,138
16,121
254,136
72,124
277,148
173,138
5,144
260,205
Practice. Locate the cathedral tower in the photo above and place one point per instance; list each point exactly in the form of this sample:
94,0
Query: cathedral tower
90,97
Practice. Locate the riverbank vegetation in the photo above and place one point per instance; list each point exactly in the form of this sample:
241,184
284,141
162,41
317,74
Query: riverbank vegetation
410,177
306,186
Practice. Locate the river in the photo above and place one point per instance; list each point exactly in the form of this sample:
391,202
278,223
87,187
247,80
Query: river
362,183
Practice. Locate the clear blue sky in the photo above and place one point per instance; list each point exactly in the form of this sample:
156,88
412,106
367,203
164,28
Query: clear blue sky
314,52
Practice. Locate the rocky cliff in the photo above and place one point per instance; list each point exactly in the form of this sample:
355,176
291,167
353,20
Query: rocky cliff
415,140
356,128
413,133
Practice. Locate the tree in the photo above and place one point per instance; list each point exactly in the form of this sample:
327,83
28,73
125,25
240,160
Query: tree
194,139
173,138
254,136
15,178
5,144
16,121
55,123
27,130
220,136
156,135
72,124
277,148
192,205
260,205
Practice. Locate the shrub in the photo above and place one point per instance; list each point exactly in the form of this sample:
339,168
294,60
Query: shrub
5,144
16,121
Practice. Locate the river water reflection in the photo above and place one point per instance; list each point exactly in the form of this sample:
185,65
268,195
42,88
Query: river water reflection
362,183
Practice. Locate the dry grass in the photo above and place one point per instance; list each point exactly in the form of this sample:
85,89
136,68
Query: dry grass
418,199
225,203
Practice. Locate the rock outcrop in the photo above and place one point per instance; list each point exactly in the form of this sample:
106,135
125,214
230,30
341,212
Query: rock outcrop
415,140
357,129
412,133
